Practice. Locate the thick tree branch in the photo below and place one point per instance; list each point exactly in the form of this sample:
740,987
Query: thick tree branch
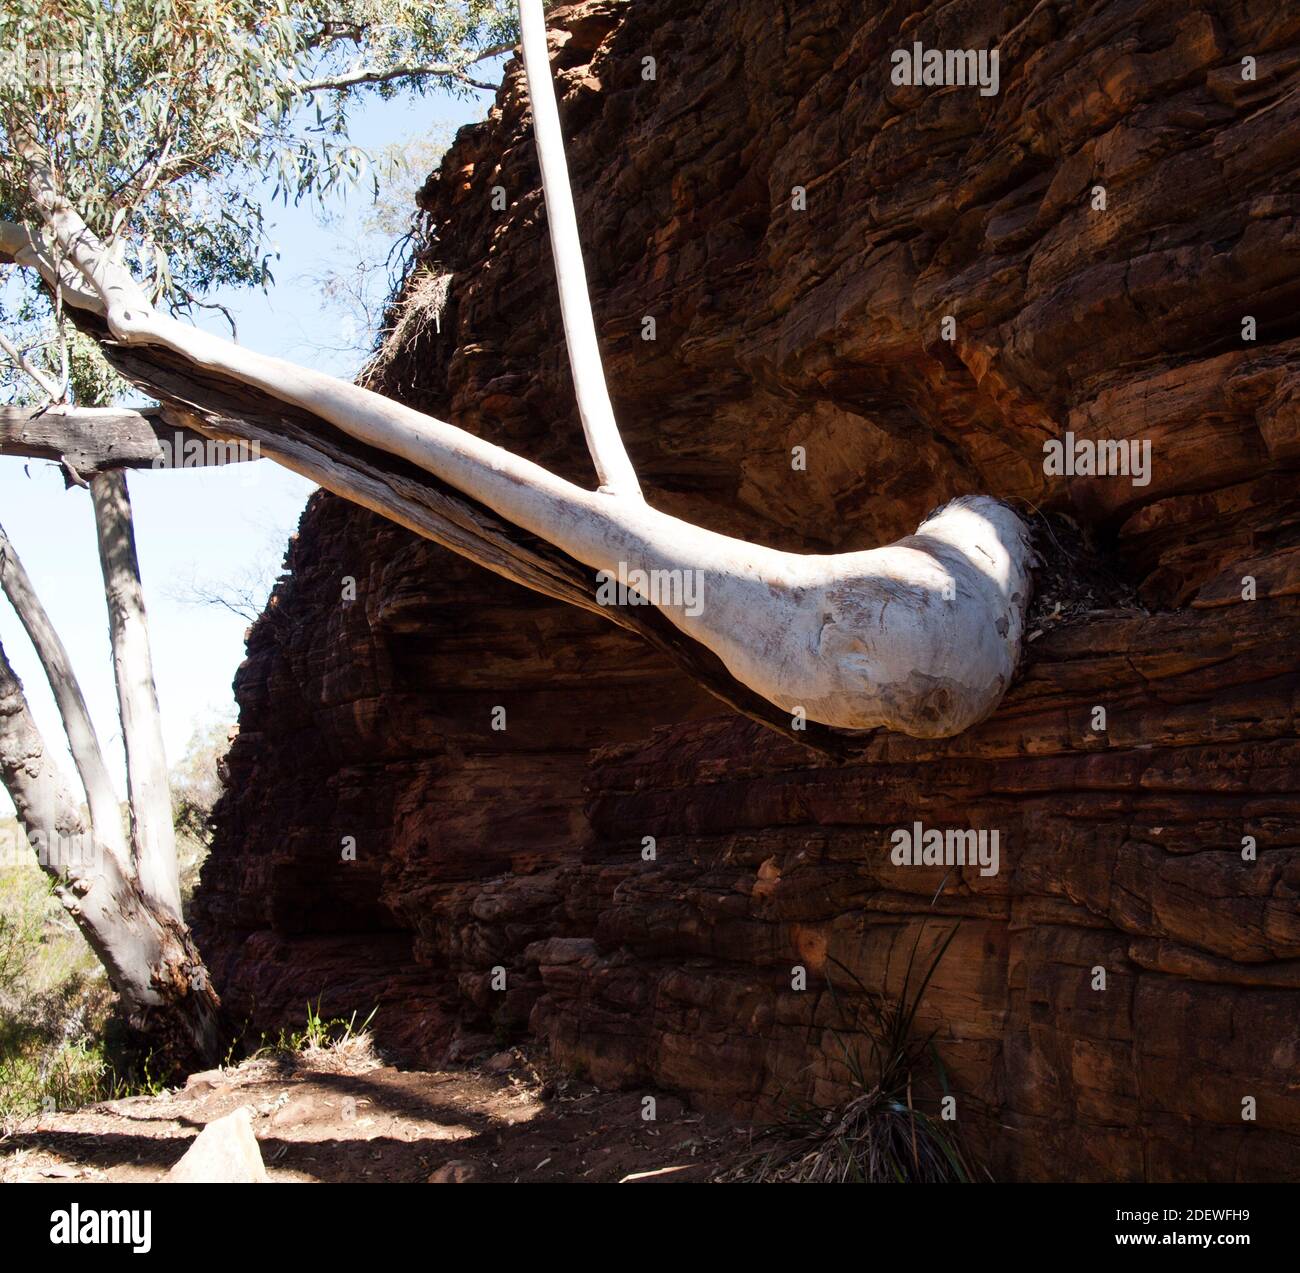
90,439
19,246
922,636
102,274
404,494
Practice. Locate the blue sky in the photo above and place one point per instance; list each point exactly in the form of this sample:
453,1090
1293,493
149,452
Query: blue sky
206,525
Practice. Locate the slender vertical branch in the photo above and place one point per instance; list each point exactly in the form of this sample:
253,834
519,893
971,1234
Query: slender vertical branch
152,832
603,439
83,742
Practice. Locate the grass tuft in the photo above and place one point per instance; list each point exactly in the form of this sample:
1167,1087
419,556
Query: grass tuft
338,1038
879,1134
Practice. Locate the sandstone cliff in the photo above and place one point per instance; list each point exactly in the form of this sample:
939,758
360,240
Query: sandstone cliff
1121,848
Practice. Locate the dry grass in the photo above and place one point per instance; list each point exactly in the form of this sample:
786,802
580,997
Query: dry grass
352,1054
418,308
879,1134
337,1044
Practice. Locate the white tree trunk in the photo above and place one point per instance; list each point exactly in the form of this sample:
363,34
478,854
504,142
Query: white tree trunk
153,836
148,953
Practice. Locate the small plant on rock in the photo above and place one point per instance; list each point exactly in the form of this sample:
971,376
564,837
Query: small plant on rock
878,1134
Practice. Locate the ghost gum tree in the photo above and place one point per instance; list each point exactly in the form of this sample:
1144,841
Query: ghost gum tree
921,636
153,121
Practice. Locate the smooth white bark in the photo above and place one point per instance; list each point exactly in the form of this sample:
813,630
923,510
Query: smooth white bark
613,468
857,640
153,834
21,246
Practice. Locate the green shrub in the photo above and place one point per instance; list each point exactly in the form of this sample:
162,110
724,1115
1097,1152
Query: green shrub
60,1045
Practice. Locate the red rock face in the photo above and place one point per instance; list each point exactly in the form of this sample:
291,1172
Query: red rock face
1121,848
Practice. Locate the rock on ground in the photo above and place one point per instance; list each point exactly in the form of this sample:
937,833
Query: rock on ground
225,1152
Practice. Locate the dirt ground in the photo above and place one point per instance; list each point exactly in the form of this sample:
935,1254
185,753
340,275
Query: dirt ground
339,1116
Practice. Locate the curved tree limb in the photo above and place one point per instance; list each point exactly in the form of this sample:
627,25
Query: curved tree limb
922,636
428,507
19,246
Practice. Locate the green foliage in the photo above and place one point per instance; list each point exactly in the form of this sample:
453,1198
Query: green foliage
21,923
60,1046
157,117
195,787
90,380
